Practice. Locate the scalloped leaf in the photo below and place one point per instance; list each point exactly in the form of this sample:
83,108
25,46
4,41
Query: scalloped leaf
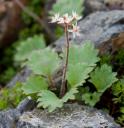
48,99
70,95
91,98
67,6
85,53
78,73
44,62
34,84
27,46
103,78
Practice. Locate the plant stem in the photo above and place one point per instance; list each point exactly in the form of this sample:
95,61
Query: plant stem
63,86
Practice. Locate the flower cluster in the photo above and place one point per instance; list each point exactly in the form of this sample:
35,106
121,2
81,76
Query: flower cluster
69,21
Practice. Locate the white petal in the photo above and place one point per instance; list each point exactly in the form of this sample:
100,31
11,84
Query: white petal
70,30
60,21
55,18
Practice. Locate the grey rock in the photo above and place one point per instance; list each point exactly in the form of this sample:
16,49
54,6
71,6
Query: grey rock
102,5
9,118
71,116
26,105
114,4
98,27
93,6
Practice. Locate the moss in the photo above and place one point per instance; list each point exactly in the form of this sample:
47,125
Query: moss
10,97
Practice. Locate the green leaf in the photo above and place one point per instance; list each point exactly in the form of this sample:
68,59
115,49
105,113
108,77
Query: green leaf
67,6
91,98
70,95
48,99
85,53
27,46
103,78
34,84
78,73
44,62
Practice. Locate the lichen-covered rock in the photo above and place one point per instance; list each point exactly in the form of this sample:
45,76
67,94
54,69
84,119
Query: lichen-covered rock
9,118
71,116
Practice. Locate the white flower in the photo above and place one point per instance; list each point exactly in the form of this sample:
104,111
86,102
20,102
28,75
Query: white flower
61,21
75,16
55,18
65,19
75,30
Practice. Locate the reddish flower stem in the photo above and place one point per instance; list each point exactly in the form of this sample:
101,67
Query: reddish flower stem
63,86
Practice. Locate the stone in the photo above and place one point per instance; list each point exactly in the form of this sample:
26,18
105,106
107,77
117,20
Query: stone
26,105
9,118
114,4
102,5
93,6
71,116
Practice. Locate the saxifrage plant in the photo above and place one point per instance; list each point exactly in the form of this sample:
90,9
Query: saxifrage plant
78,64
